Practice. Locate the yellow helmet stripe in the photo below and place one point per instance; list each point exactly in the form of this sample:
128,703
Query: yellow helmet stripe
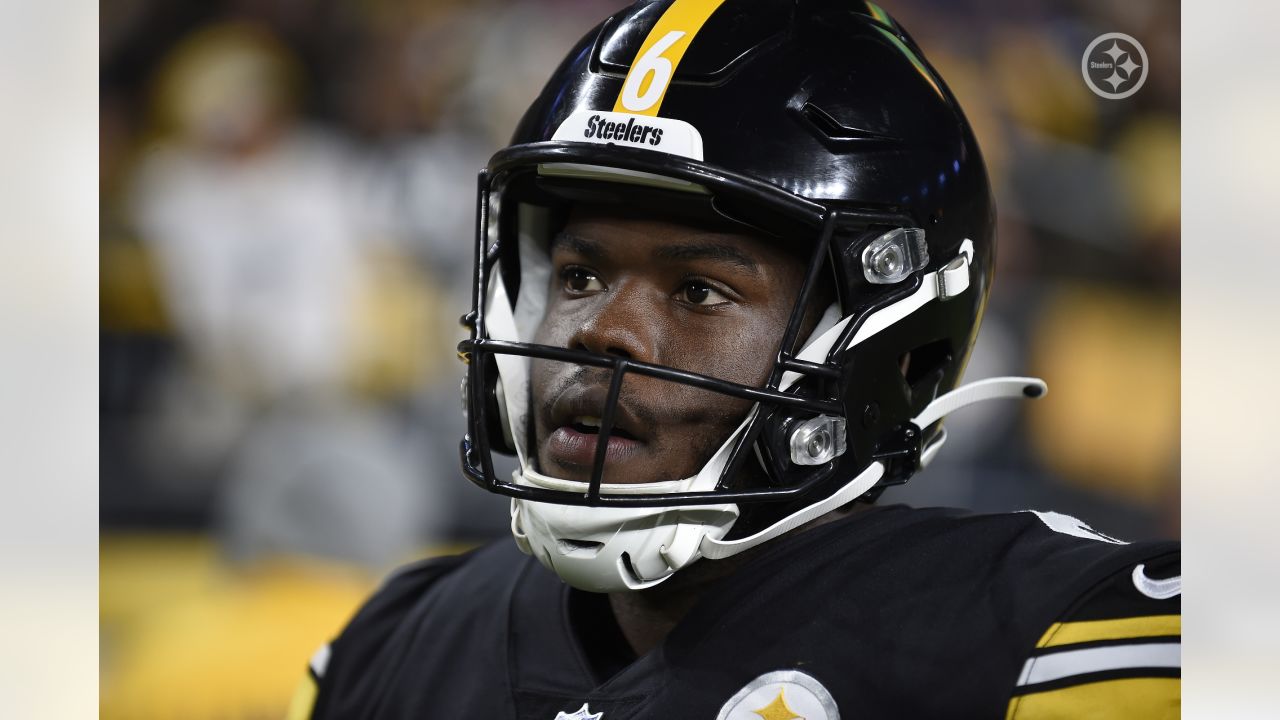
655,64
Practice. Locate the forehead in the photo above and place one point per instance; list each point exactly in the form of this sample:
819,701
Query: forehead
616,232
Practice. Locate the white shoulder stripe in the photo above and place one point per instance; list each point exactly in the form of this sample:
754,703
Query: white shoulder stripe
320,661
1056,666
1068,525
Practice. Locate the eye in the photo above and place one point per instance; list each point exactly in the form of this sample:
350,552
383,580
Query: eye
580,280
698,292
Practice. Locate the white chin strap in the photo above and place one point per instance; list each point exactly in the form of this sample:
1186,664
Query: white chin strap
991,389
614,549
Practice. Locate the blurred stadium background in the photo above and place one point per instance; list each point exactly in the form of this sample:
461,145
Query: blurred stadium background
286,195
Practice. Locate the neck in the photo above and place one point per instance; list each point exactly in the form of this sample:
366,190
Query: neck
646,617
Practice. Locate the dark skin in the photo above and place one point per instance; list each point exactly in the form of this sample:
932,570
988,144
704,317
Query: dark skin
668,292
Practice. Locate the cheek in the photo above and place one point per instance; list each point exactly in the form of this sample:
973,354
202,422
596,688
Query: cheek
742,352
542,373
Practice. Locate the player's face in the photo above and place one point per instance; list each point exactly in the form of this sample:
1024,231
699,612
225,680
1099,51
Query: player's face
661,292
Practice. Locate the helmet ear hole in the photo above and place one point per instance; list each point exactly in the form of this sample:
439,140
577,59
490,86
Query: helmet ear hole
923,369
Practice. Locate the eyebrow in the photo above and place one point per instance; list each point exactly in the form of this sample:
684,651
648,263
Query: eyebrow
720,252
578,245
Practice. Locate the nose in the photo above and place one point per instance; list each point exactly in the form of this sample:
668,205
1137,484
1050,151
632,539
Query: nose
623,322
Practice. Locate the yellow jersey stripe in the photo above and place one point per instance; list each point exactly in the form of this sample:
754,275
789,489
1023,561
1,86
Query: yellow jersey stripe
655,64
304,699
1148,698
1070,633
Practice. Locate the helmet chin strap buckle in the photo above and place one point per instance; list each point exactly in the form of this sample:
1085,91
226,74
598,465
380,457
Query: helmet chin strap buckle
900,453
905,451
953,279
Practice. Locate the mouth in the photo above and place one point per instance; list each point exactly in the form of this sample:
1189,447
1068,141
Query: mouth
571,446
590,425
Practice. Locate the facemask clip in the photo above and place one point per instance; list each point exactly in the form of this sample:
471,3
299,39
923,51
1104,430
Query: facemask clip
818,441
894,256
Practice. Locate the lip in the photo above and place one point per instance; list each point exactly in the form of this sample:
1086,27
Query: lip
569,448
578,401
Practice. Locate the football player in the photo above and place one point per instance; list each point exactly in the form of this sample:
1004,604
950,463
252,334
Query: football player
727,277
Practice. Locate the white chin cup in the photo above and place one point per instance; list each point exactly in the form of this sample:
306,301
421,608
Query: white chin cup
611,549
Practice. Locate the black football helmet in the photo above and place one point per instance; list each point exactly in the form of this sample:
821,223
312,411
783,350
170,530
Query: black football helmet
815,122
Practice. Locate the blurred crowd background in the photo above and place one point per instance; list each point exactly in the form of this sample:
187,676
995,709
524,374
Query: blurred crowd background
287,198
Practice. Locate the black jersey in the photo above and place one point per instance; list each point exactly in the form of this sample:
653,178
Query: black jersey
892,613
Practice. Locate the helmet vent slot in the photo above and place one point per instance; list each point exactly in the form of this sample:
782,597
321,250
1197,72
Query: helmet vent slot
833,129
579,548
624,562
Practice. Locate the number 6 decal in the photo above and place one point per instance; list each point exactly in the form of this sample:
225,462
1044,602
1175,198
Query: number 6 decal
650,63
